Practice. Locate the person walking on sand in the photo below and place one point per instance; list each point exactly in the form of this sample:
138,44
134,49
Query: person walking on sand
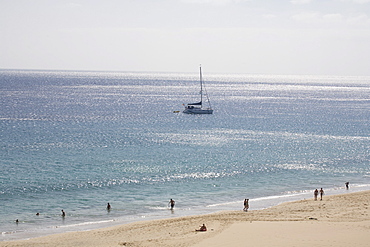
316,193
171,203
246,205
321,194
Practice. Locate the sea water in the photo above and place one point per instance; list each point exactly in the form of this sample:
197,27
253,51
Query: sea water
78,140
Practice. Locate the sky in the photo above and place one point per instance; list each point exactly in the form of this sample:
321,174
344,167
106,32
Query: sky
285,37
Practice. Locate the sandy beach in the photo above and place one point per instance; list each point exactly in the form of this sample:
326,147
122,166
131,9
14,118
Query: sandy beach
340,220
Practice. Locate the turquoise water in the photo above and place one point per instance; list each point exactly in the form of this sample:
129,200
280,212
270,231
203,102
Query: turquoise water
78,140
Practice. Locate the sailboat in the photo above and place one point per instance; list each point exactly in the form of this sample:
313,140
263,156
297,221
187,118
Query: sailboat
197,108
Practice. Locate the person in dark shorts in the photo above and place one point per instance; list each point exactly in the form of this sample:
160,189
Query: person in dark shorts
316,193
347,185
172,203
321,193
246,205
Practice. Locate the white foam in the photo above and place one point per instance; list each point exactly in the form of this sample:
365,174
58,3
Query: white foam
85,223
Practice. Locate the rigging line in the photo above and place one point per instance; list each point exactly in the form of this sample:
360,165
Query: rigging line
209,102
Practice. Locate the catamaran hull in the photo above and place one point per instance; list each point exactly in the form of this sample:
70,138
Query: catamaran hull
198,111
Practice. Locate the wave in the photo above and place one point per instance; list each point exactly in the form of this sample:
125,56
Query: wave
84,224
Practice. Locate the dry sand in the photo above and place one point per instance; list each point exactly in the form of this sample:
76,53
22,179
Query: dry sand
341,220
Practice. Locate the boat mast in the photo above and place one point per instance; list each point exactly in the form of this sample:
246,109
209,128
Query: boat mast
201,86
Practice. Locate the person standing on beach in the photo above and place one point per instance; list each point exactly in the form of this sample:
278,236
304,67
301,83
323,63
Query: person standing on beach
246,205
347,185
171,203
316,193
321,194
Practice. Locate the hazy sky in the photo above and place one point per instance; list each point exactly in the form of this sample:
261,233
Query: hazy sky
329,37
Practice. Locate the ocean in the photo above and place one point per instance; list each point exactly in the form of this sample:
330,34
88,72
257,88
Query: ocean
77,140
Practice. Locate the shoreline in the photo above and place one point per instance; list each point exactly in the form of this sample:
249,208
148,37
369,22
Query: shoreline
92,223
334,215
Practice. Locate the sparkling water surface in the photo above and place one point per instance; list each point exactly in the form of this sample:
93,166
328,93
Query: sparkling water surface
78,140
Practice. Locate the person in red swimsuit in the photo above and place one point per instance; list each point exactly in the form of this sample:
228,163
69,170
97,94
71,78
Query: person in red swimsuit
203,228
